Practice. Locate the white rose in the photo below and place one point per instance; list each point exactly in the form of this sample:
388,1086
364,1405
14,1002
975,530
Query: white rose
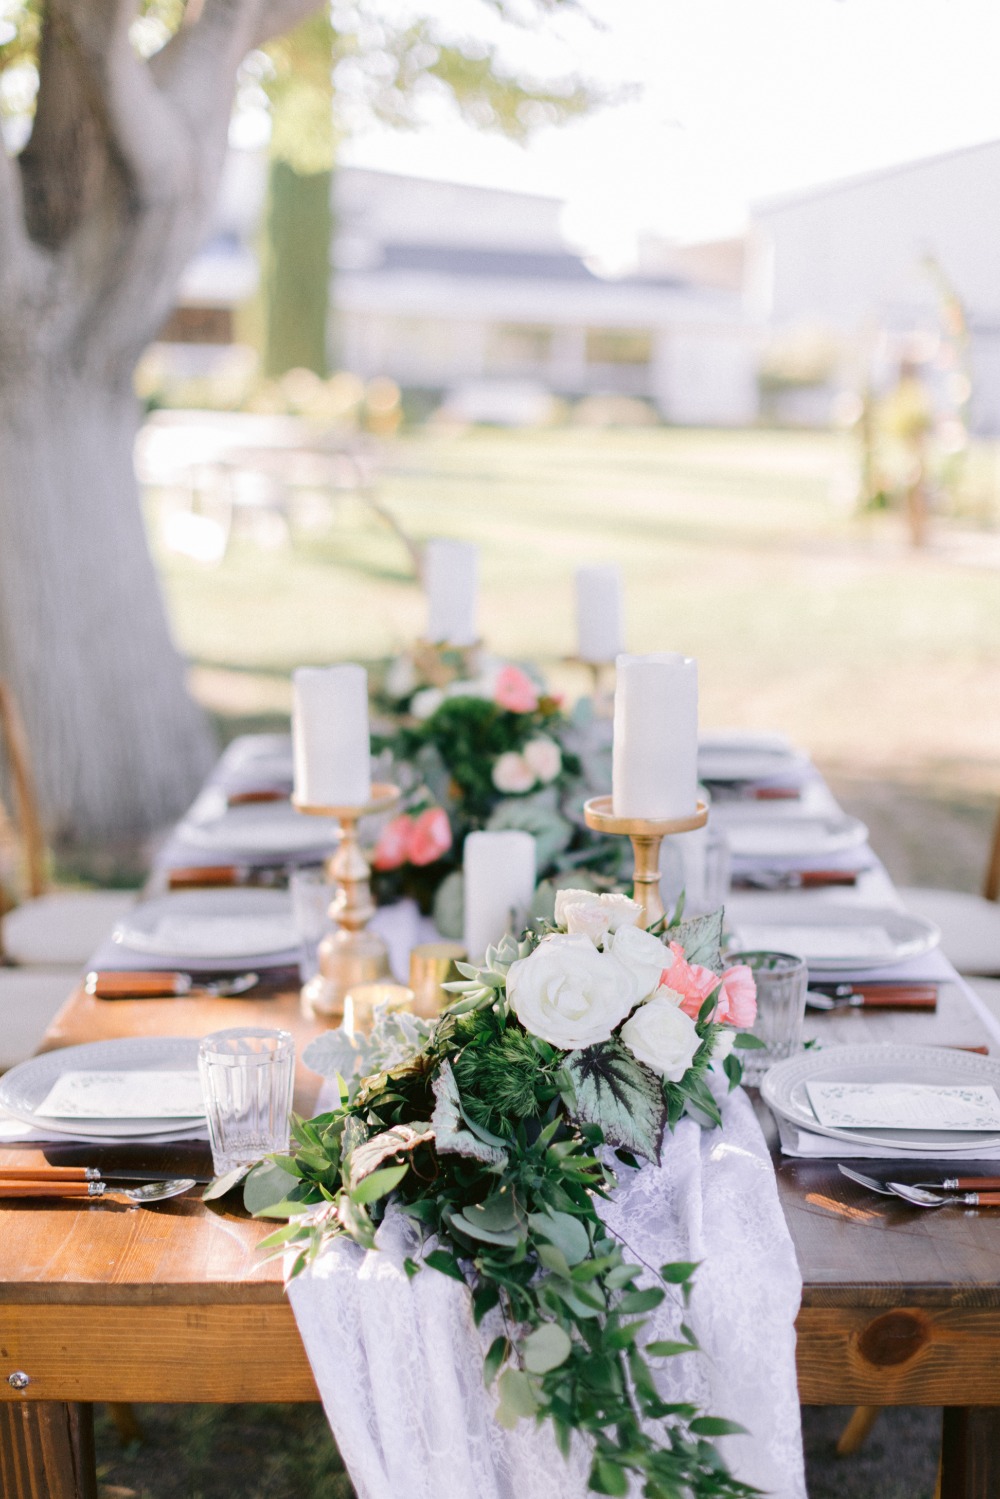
569,993
544,757
511,772
427,701
644,955
596,915
468,688
662,1036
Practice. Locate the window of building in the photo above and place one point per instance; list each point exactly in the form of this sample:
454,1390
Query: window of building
520,345
619,346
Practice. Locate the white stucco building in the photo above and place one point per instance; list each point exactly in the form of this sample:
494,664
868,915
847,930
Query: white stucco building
438,284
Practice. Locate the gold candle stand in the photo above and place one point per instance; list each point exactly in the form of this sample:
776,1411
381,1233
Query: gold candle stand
646,833
351,955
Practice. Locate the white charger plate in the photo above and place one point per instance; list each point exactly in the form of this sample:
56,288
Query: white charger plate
209,924
773,922
27,1085
783,1089
728,760
261,828
759,833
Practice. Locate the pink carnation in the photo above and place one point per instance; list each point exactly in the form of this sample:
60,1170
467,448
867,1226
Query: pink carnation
737,997
430,836
690,980
515,691
392,848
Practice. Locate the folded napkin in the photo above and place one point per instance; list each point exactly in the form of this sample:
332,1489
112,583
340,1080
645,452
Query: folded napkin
14,1132
805,1145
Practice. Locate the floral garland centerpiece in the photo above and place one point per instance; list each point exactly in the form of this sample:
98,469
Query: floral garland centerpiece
495,752
497,1129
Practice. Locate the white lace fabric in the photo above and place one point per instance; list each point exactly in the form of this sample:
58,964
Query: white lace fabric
398,1360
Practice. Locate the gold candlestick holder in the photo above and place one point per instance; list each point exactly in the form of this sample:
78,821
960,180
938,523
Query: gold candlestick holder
351,955
646,833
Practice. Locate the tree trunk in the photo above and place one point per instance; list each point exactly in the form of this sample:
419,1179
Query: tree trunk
118,746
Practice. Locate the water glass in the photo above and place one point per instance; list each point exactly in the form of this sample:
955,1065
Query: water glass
781,981
311,895
247,1074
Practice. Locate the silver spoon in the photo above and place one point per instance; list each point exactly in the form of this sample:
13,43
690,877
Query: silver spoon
155,1191
921,1199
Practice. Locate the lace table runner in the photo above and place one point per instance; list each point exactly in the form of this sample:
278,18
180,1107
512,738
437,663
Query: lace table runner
398,1362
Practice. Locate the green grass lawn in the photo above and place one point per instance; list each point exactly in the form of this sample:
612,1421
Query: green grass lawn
734,546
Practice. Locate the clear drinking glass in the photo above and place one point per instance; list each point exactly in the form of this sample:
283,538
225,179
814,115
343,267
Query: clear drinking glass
246,1082
311,895
781,981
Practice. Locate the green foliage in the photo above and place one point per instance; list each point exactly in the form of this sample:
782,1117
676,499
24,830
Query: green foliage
505,1180
614,1090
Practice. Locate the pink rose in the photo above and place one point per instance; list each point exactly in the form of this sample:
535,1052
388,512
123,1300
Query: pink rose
430,836
737,997
515,691
392,848
690,980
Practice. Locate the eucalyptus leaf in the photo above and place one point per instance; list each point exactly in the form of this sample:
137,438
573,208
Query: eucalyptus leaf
223,1184
266,1186
614,1089
546,1348
378,1184
567,1233
517,1398
701,939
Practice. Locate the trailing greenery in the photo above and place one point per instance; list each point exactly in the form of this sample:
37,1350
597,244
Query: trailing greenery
498,1145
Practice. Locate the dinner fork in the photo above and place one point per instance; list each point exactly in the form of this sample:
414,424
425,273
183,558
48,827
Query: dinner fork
946,1184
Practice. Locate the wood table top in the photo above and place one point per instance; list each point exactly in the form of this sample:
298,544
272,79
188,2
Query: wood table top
853,1248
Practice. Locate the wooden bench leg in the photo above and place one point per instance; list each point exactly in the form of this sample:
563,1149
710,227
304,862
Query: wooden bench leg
47,1450
970,1452
855,1433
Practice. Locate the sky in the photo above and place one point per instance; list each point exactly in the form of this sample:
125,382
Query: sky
730,101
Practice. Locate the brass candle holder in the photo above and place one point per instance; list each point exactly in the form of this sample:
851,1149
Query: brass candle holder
351,955
646,833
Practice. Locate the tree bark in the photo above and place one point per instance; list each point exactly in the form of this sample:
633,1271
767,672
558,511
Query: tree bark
98,218
118,747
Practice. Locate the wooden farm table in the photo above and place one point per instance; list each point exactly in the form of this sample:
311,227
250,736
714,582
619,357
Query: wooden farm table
101,1302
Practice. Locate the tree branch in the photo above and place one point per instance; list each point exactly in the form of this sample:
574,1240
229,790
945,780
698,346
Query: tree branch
138,125
279,16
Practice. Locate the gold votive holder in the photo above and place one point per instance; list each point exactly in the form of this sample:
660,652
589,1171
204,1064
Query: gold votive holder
351,955
361,1000
429,660
432,965
646,834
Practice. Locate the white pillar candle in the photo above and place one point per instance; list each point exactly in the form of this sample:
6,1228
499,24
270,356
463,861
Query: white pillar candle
499,880
600,634
330,736
451,579
654,767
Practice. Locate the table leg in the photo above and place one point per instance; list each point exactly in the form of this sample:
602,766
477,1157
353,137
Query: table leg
970,1452
47,1450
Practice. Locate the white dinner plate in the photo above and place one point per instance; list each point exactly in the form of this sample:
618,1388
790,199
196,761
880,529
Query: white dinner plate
27,1085
784,1091
833,938
224,924
738,756
758,833
261,828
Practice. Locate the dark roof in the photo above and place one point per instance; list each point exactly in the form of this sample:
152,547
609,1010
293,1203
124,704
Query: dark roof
464,260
